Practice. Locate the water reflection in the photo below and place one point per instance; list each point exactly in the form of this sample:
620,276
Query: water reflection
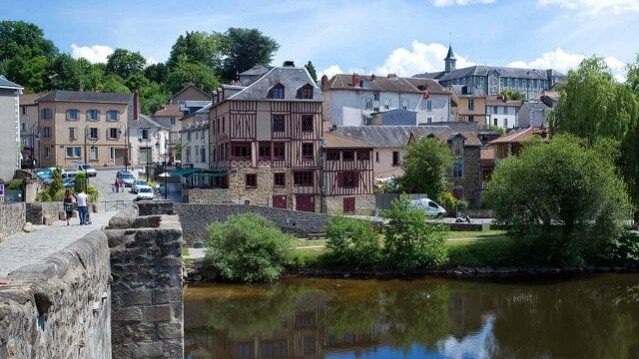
596,317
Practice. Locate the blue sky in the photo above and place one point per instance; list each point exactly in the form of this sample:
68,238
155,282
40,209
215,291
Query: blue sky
381,36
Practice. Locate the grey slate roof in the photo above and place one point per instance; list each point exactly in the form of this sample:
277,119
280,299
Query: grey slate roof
535,106
291,77
82,96
145,122
257,70
6,84
397,136
481,70
451,54
373,83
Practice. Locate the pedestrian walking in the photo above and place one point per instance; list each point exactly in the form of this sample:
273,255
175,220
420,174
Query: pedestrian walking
83,208
117,185
67,202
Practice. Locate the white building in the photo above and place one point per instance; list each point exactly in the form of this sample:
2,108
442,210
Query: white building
501,112
9,128
148,141
352,100
532,114
194,139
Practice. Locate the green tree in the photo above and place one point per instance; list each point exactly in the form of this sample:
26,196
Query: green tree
63,74
311,70
125,63
513,95
91,75
55,190
157,72
113,83
197,47
248,248
198,74
410,242
19,39
352,242
593,105
29,73
570,206
426,166
245,48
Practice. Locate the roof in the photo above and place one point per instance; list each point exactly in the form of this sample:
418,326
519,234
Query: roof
398,136
470,138
182,172
188,87
373,83
257,70
517,136
291,77
30,98
145,122
89,97
334,140
535,105
431,85
451,54
6,84
482,70
168,111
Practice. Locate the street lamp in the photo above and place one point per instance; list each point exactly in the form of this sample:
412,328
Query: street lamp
35,135
86,162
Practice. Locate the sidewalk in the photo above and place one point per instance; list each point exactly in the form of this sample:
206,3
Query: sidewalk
23,249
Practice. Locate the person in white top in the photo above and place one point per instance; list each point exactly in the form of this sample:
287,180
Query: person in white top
83,210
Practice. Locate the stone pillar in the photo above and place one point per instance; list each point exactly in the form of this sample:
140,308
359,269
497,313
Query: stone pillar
146,266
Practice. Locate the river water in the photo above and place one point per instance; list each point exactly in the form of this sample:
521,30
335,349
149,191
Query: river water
589,317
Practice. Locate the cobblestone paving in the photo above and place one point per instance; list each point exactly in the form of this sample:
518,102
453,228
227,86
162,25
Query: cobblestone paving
23,249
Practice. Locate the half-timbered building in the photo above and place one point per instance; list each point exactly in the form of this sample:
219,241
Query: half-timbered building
265,140
348,175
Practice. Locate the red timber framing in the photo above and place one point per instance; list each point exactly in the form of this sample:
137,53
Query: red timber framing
350,177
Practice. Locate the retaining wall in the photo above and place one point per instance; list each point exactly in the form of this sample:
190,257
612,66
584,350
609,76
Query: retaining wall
12,217
60,308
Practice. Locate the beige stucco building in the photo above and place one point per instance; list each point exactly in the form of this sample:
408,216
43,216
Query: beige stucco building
78,126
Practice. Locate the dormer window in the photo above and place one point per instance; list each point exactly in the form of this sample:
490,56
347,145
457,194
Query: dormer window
305,92
276,92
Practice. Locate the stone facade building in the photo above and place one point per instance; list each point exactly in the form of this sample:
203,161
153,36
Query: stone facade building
265,140
9,128
76,126
147,141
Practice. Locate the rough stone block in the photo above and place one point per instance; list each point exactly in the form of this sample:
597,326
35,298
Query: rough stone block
136,297
126,314
157,313
27,227
169,330
47,220
62,216
164,296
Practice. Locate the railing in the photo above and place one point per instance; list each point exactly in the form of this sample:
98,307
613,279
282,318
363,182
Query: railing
116,205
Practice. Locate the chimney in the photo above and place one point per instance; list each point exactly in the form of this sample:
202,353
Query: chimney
372,77
136,106
324,83
392,76
288,63
355,80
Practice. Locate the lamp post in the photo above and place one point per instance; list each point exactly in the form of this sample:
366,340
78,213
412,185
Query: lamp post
126,143
86,135
35,135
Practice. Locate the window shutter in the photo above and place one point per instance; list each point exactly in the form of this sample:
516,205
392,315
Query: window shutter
340,179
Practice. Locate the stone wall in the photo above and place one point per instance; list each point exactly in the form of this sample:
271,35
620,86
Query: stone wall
208,195
60,308
364,204
12,217
146,266
36,211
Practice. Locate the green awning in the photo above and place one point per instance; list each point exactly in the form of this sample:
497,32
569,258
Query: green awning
210,174
182,172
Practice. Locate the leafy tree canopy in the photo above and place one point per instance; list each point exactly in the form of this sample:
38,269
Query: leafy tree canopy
125,63
426,166
198,47
186,72
245,48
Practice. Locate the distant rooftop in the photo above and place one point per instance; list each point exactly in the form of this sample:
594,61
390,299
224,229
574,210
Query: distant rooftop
6,84
85,96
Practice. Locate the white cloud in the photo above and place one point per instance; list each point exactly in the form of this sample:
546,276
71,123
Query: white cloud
330,71
595,8
94,54
460,2
151,61
420,58
564,61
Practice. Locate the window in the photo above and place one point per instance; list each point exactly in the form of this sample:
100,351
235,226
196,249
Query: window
144,134
251,180
72,115
395,158
429,120
495,122
307,123
279,151
264,151
188,135
369,104
188,154
276,92
93,156
363,156
172,121
46,132
307,151
505,123
458,169
471,104
24,127
377,157
279,179
113,133
241,150
73,133
74,152
278,123
429,105
280,348
505,110
332,155
348,179
47,152
376,96
92,115
404,104
303,178
386,104
93,133
348,156
304,92
113,115
495,110
24,110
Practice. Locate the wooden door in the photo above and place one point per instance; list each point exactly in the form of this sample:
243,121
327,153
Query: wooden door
305,202
349,205
279,201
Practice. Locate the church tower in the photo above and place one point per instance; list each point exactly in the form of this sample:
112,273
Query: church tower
450,60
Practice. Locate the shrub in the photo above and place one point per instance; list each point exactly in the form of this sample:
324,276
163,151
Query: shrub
248,248
80,182
449,202
412,243
426,166
462,205
15,184
54,191
92,193
352,241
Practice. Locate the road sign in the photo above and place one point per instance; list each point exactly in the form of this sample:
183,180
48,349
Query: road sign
1,189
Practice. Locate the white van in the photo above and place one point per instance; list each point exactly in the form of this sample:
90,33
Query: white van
431,207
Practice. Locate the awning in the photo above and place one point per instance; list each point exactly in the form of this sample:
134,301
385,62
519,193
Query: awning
182,172
210,174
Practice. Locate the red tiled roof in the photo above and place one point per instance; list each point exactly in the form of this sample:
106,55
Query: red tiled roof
518,136
333,140
168,111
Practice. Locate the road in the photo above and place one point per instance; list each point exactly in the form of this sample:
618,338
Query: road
106,177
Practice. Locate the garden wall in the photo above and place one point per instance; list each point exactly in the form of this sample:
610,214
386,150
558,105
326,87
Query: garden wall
12,217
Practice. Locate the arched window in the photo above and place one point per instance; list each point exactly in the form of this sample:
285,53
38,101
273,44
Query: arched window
276,91
305,92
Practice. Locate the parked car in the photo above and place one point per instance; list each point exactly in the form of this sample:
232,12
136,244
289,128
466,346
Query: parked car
145,192
136,185
86,168
69,182
431,207
45,173
126,177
